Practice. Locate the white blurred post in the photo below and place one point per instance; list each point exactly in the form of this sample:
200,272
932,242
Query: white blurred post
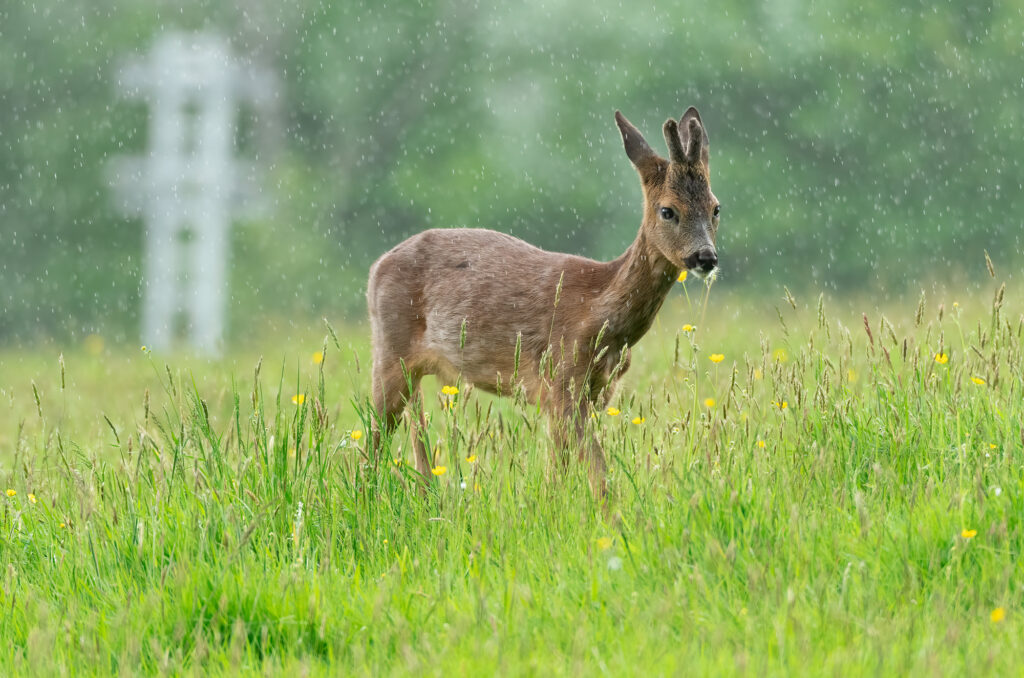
185,187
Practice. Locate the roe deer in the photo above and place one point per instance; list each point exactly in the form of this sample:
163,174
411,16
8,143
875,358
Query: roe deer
502,314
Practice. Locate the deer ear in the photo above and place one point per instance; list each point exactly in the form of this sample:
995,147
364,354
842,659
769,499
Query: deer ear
694,136
637,149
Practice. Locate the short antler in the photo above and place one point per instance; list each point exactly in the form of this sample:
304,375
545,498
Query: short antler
675,143
694,137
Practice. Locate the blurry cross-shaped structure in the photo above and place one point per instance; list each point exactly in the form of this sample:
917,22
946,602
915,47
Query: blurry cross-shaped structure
188,186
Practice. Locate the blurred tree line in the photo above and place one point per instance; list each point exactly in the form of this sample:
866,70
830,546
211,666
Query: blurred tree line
851,141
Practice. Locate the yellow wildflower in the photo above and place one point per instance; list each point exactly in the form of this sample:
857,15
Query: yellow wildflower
449,390
32,497
291,452
997,615
613,411
781,404
717,357
682,276
299,398
356,435
62,526
11,493
709,402
639,420
318,357
439,470
968,534
604,543
757,373
978,380
851,375
780,355
688,327
941,358
396,461
471,459
761,444
992,446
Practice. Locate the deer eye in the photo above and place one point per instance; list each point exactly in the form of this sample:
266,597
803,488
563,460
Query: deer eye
667,213
718,208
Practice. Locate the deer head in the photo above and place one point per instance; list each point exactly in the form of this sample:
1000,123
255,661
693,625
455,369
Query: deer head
680,211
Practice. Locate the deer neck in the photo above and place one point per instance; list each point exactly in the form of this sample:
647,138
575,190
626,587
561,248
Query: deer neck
640,281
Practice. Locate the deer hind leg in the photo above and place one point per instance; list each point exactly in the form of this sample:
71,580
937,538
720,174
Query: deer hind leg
418,432
392,387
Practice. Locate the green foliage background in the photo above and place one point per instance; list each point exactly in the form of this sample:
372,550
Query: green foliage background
851,141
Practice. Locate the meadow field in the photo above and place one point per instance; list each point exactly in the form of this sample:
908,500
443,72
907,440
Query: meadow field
805,487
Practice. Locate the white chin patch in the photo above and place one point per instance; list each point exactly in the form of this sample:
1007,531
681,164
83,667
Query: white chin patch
707,276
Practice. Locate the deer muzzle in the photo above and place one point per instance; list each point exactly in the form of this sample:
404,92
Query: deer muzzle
703,261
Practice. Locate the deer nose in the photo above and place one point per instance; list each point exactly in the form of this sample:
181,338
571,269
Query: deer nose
707,259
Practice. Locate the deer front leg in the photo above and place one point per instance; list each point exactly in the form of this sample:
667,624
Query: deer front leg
569,425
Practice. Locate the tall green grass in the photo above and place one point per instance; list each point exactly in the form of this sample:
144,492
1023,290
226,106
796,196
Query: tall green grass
848,504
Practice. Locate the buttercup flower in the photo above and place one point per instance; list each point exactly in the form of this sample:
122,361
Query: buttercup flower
761,444
471,459
32,497
639,420
717,357
688,328
613,411
682,276
709,402
318,357
997,615
968,534
978,380
11,493
604,543
299,398
439,470
941,358
356,435
449,390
